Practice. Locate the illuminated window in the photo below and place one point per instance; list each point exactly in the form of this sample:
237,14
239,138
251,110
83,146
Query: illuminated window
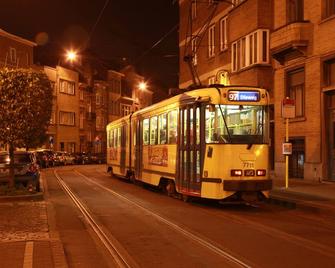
162,129
12,54
211,80
172,128
146,131
66,118
66,86
295,89
223,34
211,41
194,51
125,109
153,130
251,49
53,118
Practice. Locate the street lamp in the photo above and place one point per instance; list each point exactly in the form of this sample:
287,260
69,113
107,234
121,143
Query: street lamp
71,55
142,86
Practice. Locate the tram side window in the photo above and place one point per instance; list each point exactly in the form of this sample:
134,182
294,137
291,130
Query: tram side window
110,133
119,137
146,131
162,127
115,138
172,127
153,130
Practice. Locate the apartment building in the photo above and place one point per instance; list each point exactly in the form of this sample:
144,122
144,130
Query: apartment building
285,46
64,126
15,52
227,43
302,45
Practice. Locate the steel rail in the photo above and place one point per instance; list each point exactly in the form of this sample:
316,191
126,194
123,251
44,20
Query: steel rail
174,226
109,245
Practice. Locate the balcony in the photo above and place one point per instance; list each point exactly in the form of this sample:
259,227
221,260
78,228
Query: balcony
290,41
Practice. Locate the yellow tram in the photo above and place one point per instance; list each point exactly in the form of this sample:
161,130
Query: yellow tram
210,142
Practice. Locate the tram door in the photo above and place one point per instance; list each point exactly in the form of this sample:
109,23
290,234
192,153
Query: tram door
189,148
123,149
137,142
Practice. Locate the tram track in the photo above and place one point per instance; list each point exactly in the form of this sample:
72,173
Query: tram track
196,238
114,249
274,232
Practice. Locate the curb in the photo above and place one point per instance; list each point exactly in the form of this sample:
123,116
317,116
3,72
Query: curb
31,197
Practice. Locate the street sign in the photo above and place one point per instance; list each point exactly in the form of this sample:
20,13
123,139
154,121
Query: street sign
287,148
288,108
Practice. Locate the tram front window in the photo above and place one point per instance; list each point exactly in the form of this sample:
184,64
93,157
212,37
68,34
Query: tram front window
237,124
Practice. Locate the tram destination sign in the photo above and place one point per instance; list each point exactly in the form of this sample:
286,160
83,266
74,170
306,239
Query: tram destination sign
236,95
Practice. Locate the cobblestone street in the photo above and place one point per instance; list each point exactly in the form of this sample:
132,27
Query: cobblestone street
22,221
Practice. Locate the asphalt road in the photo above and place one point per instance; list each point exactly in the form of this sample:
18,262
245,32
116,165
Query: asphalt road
126,225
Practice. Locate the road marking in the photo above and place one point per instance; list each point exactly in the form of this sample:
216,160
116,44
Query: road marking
28,255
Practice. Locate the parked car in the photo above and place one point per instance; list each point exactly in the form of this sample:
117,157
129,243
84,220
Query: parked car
45,158
64,158
82,158
26,169
99,158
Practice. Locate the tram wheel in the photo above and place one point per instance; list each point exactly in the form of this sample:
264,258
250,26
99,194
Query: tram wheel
185,198
170,188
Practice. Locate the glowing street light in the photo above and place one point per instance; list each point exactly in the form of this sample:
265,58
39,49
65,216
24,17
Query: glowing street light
71,55
142,86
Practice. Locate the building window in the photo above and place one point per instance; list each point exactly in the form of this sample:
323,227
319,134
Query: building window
296,88
194,51
211,41
12,54
53,118
194,9
237,2
295,10
223,34
125,109
81,95
328,8
329,73
66,86
81,120
211,80
71,147
251,49
66,118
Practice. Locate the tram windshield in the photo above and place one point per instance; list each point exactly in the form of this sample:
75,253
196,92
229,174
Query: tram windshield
236,124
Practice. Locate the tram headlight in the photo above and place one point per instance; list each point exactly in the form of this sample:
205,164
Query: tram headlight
261,172
236,172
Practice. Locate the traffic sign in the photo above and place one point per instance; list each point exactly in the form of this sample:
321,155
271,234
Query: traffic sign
288,108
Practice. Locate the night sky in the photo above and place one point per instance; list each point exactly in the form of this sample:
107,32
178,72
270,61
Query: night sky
124,34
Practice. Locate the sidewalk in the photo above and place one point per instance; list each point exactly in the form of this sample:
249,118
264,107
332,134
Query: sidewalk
315,196
25,237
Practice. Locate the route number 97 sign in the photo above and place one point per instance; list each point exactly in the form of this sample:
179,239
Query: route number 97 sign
234,95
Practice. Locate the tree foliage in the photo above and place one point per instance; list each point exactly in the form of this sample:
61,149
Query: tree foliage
25,106
25,109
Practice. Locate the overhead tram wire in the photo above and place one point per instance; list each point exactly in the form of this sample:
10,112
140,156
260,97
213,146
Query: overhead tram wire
156,43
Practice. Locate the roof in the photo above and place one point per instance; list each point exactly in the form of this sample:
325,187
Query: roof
17,38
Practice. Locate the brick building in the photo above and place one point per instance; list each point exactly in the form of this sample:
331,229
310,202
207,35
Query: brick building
304,69
228,44
15,52
285,46
64,126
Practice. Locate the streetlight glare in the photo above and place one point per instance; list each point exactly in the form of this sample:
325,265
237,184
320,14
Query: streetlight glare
71,55
142,86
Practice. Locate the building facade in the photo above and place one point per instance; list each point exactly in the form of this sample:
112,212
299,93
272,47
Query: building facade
15,52
284,46
64,126
304,69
